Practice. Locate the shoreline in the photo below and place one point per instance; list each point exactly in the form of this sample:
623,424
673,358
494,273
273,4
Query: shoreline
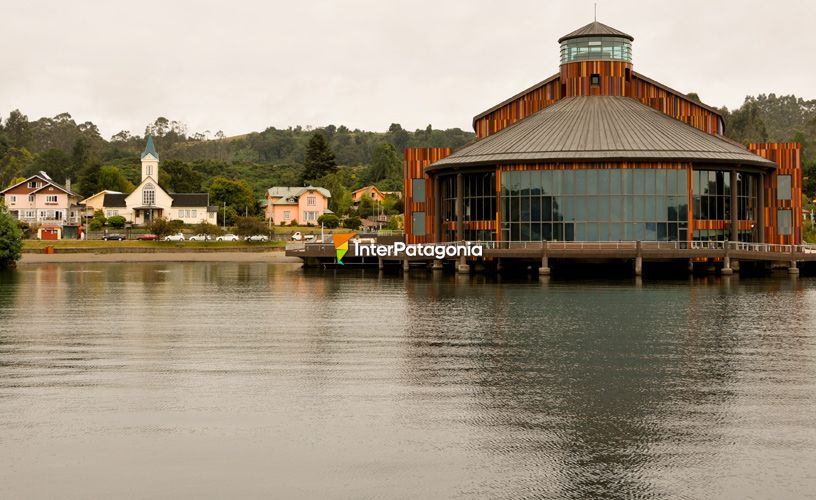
269,257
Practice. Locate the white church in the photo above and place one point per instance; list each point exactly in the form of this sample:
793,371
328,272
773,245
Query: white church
149,201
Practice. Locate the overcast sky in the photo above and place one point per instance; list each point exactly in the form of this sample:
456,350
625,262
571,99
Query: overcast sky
241,65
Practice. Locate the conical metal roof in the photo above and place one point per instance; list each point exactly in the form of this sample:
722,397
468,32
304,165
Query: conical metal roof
595,29
600,128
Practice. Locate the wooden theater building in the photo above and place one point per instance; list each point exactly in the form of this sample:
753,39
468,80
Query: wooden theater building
599,152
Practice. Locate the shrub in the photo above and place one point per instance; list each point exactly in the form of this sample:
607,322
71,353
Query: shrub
282,223
11,240
293,223
96,224
117,221
164,227
352,222
329,221
247,226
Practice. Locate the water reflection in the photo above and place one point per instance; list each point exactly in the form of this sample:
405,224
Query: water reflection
362,383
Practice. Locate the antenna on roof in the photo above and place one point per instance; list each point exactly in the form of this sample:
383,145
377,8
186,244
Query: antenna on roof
596,12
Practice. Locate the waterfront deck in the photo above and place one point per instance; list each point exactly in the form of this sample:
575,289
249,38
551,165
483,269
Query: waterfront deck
726,254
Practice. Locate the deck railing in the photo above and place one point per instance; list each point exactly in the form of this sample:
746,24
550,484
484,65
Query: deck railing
600,245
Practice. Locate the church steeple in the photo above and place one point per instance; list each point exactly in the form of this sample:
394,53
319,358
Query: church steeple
150,149
150,161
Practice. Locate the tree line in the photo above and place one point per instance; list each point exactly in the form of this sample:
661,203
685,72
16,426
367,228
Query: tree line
66,149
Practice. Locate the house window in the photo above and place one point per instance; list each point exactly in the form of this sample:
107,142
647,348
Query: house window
31,198
310,216
29,214
32,184
311,200
58,215
51,198
43,214
286,214
595,79
784,223
418,223
149,195
783,187
149,170
193,214
418,191
112,213
12,199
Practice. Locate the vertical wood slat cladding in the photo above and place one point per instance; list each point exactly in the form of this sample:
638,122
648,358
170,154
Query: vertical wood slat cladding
788,158
414,162
674,104
534,100
576,77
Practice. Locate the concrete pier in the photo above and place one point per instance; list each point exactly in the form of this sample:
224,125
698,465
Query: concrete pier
437,265
793,269
544,270
726,269
462,266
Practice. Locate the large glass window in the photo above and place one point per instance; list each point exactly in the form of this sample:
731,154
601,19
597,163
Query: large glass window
597,49
712,205
595,205
783,187
478,197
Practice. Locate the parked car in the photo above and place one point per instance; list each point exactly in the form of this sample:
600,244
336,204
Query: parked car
200,237
297,236
228,237
174,237
147,237
257,237
114,237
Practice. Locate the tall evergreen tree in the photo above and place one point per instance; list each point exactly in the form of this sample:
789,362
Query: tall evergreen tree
320,160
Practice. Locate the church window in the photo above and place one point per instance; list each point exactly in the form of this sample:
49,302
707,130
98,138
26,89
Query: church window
149,195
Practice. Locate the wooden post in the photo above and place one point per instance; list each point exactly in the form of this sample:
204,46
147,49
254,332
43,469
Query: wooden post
460,207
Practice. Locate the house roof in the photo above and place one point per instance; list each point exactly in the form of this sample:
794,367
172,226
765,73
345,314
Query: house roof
371,187
190,199
600,128
289,194
114,200
150,149
46,182
595,29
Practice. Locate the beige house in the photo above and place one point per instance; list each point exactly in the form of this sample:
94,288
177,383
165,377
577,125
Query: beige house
51,208
150,201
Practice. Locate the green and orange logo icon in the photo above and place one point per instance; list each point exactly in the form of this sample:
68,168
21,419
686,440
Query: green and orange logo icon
341,245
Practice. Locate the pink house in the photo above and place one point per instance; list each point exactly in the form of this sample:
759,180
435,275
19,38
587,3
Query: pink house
301,204
53,209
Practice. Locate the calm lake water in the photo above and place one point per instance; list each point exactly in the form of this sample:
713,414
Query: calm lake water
254,380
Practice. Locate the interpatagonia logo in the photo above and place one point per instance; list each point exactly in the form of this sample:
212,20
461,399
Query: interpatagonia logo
341,245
